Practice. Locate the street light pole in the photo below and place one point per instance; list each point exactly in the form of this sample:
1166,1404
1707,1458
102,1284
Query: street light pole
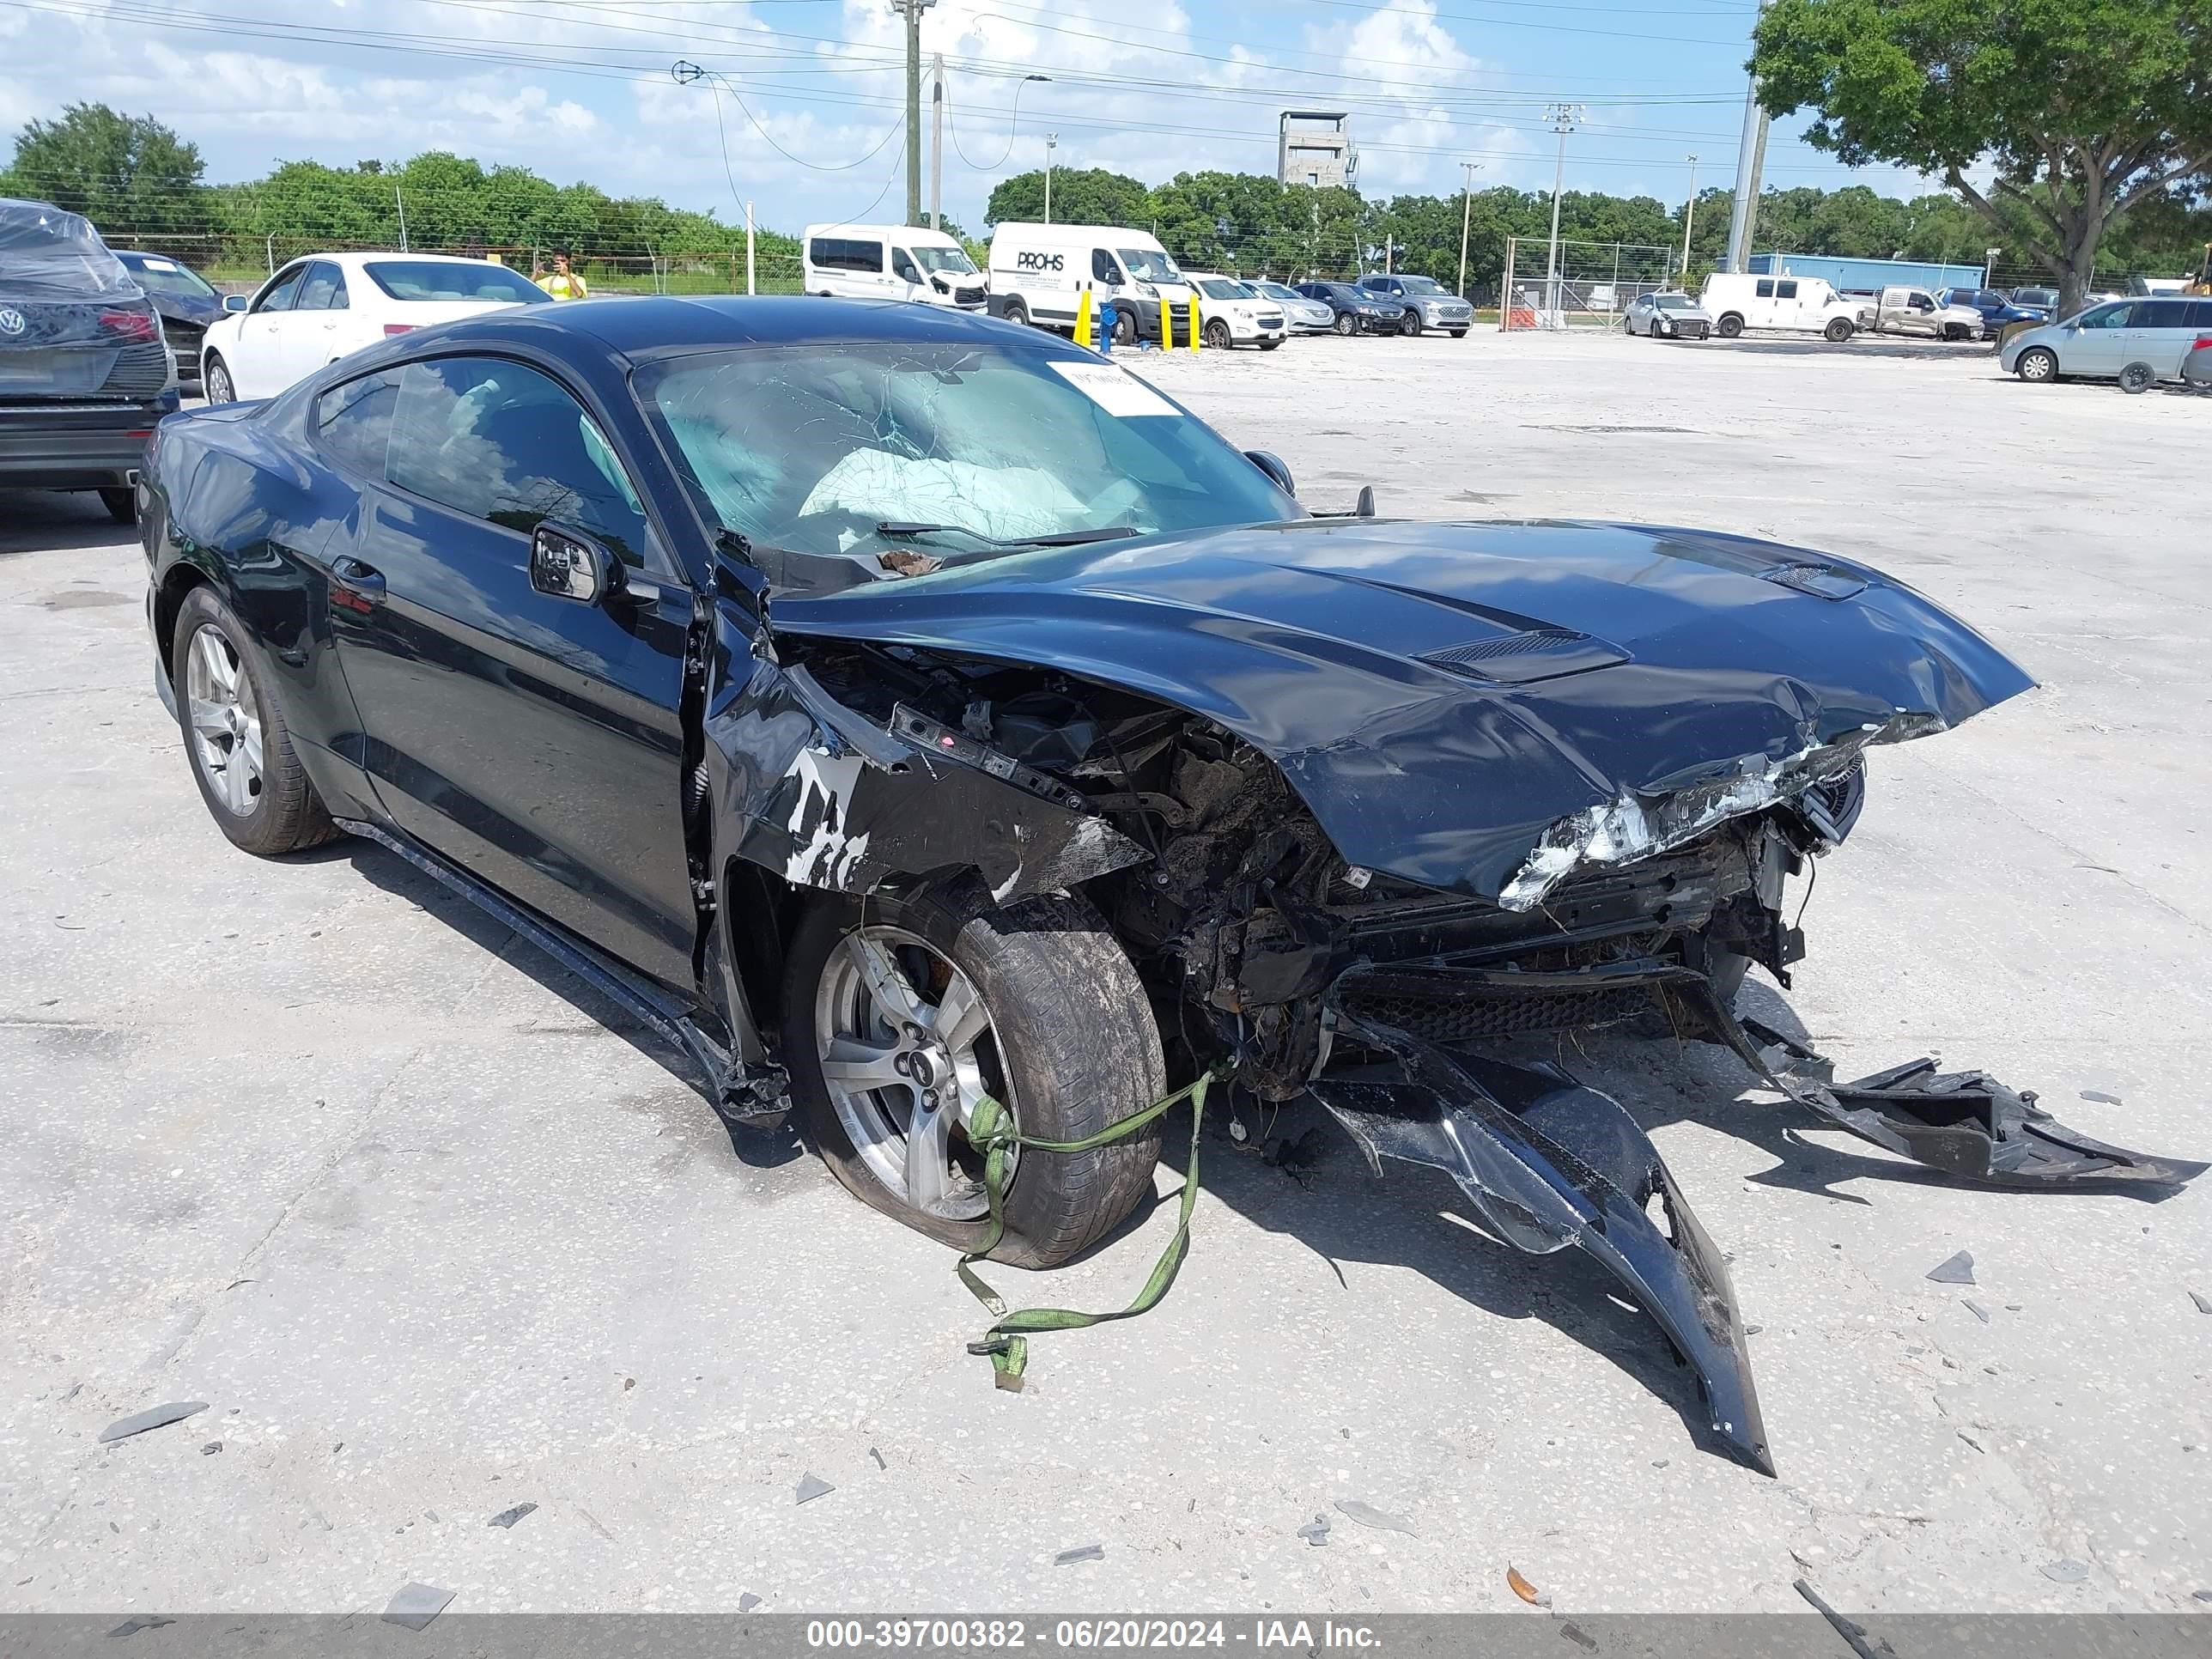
1564,118
936,140
1051,142
1466,211
1750,156
1689,211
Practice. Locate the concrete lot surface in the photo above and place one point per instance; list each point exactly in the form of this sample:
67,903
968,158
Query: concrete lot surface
309,1142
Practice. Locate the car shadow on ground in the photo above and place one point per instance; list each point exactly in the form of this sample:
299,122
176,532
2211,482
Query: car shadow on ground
51,521
1859,345
387,870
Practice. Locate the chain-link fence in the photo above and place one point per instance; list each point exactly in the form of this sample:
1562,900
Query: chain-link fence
1577,285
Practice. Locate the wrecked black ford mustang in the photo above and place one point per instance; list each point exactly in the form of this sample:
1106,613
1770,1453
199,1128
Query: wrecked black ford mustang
897,710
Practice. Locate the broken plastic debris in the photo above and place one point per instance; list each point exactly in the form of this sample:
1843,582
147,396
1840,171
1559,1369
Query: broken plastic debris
1368,1516
878,1456
2065,1571
509,1517
139,1621
1958,1270
2201,1596
1970,1440
416,1605
2100,1097
1851,1630
2204,1303
1578,1636
748,1602
811,1487
1315,1532
211,1448
1975,1308
1521,1588
1083,1552
154,1417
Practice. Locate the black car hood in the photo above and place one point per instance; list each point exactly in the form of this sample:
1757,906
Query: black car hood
1477,707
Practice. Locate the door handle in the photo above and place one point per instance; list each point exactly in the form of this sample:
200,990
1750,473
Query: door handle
358,586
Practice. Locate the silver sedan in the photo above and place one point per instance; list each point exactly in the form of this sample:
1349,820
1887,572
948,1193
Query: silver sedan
1304,316
1668,316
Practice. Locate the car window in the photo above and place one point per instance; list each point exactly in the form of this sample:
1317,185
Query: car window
1219,288
316,288
279,294
2107,316
2200,313
506,444
903,266
1103,268
2161,313
353,422
453,279
167,276
1765,289
1785,290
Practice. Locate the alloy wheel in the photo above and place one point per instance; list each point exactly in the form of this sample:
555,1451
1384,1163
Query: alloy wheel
219,388
907,1049
226,722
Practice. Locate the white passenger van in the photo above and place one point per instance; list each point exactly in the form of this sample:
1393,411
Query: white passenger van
890,262
1739,299
1039,272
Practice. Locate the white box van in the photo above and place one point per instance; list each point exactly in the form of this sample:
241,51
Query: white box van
1039,272
890,262
1739,299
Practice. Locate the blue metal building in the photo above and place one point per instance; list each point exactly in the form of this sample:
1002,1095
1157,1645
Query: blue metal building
1867,276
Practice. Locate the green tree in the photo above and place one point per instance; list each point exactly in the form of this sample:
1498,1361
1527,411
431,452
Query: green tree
2085,108
1080,196
128,173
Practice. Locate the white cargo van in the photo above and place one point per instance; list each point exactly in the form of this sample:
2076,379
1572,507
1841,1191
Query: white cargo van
890,262
1739,299
1039,272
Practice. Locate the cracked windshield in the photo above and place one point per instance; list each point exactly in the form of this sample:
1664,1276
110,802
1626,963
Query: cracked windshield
972,451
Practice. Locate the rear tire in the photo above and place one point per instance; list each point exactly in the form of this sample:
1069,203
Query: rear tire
2037,366
1069,1044
122,505
269,811
216,375
1269,345
1730,327
2138,378
1459,334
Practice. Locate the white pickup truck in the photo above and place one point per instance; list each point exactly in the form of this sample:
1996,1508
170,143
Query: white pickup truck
1739,299
1917,311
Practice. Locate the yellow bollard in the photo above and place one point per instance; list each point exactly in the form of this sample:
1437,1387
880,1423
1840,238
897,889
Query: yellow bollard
1167,326
1193,320
1083,319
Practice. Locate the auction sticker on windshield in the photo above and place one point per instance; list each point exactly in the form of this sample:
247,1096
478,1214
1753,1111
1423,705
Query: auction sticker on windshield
1114,390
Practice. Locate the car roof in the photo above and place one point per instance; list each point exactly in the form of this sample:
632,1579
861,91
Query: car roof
649,324
355,260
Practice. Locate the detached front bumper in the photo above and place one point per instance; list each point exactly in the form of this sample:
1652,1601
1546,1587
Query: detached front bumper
76,445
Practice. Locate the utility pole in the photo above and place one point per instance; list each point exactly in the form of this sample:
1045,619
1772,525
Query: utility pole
1466,212
1750,158
936,139
1564,118
748,247
911,10
1689,212
402,202
1051,142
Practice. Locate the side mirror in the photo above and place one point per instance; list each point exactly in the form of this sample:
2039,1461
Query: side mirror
1272,465
569,565
234,302
1364,508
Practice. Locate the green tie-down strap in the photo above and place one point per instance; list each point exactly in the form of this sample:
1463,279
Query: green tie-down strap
989,1127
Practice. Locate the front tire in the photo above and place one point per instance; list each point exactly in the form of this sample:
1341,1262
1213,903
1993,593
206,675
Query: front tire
1838,331
1217,334
1346,323
1125,327
1410,324
1017,313
236,737
215,376
1034,1002
2037,366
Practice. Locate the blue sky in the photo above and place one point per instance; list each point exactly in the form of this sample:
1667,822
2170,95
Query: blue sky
580,89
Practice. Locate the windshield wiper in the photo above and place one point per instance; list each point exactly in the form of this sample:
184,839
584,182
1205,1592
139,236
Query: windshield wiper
1064,538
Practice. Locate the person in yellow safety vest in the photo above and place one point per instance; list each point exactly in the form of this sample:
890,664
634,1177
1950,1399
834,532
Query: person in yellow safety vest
564,283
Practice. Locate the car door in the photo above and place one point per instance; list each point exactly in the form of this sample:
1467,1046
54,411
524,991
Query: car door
533,738
308,338
2098,341
259,371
